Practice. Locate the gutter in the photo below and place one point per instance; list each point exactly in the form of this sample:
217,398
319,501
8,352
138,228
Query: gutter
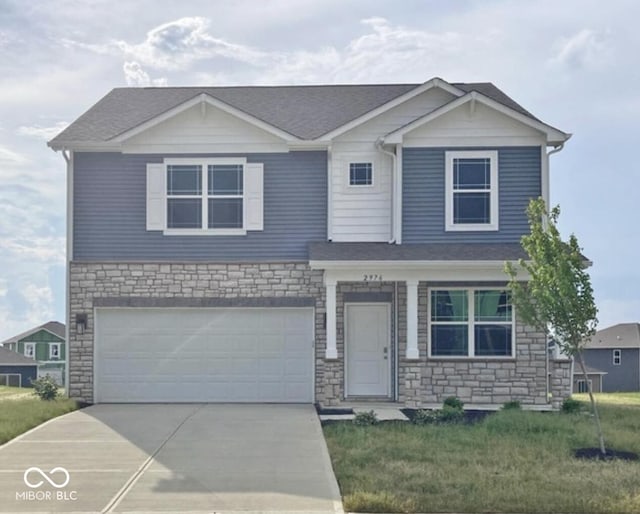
395,189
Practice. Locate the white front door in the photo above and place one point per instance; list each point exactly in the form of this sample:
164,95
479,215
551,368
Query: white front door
367,330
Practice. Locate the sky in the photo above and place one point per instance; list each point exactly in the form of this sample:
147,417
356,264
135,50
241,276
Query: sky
575,64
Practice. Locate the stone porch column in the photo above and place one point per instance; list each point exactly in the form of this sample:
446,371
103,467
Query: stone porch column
332,350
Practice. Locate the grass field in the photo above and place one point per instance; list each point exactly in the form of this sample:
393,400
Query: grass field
513,461
21,410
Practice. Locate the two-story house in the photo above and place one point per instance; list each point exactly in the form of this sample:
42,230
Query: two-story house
304,244
612,358
44,344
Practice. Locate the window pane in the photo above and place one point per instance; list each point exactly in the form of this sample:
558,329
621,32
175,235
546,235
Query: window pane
449,305
449,340
494,340
184,180
225,213
492,306
184,213
471,207
471,174
225,179
360,174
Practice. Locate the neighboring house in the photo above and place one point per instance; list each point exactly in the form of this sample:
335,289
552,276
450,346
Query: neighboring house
304,243
44,344
615,352
16,370
595,377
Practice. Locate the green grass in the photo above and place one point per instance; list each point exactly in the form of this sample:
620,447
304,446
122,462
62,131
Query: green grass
514,461
21,410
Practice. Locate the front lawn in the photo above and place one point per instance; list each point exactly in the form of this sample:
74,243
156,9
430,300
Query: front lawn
513,461
21,410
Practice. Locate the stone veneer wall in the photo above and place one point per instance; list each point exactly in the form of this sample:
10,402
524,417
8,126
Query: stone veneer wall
426,381
478,381
93,283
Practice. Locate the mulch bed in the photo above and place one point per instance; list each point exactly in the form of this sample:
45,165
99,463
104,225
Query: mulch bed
470,416
595,454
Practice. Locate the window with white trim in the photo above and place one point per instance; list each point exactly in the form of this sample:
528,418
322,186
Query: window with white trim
617,357
582,387
471,323
193,196
360,174
54,351
30,350
471,190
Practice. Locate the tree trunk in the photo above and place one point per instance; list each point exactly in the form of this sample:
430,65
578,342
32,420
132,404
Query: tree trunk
593,404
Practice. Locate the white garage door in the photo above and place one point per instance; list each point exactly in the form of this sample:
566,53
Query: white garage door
204,355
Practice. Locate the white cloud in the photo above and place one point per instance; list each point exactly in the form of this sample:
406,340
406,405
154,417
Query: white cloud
10,157
136,76
33,249
177,44
587,49
40,132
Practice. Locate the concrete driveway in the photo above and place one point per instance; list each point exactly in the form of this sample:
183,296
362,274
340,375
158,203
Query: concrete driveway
172,458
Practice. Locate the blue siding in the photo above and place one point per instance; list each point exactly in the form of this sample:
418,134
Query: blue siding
625,377
27,372
110,212
423,195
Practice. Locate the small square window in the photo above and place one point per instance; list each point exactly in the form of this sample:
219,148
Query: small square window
360,174
30,350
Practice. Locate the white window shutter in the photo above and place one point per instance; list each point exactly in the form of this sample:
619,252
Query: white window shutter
156,197
253,196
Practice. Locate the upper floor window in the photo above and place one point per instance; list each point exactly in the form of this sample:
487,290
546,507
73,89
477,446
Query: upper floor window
471,323
30,350
205,196
617,357
54,351
360,174
471,190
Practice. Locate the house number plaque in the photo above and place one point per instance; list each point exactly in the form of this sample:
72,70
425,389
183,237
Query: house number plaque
373,277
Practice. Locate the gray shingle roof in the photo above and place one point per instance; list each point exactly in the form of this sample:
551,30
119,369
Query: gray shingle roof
323,251
622,335
55,327
590,371
9,357
306,112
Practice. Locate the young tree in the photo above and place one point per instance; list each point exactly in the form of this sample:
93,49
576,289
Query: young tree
558,294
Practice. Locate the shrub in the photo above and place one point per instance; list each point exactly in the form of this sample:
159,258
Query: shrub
449,414
45,387
425,417
365,418
512,405
454,402
571,406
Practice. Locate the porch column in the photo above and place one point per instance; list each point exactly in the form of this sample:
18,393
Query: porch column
412,320
332,350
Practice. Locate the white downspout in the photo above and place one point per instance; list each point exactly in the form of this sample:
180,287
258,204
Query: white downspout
546,196
394,191
68,157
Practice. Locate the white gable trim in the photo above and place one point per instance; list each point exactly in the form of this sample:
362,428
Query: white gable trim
204,99
430,84
554,136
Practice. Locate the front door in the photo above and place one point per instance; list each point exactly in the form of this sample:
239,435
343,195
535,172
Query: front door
367,342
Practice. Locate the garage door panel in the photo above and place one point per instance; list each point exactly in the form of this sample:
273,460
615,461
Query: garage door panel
187,355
